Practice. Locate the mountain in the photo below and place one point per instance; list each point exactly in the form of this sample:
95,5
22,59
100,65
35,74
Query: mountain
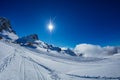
6,30
28,40
28,58
34,42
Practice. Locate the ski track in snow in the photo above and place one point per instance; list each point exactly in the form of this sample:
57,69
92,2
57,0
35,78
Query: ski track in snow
40,76
22,69
53,74
6,62
38,73
95,77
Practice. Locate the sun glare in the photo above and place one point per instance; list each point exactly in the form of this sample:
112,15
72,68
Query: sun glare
50,27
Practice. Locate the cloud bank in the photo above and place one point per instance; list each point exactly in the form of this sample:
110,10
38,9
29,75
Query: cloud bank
90,50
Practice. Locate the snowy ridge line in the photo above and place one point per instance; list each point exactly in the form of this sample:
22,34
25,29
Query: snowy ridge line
53,73
4,63
94,77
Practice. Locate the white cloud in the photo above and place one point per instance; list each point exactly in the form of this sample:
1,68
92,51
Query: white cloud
90,50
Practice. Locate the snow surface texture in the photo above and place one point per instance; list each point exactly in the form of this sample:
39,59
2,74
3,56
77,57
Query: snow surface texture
20,63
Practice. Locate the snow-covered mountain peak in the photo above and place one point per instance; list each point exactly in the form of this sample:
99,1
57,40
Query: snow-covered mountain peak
6,30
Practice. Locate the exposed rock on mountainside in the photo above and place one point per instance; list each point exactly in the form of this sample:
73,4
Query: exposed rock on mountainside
6,30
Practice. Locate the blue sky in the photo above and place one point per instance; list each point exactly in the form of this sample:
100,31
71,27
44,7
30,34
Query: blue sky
77,21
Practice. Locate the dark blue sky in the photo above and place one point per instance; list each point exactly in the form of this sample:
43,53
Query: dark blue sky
77,21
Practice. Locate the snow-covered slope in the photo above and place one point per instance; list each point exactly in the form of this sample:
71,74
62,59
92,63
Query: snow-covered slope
6,31
20,63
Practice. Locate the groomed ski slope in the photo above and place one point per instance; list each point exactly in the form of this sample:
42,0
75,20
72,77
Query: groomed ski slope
20,63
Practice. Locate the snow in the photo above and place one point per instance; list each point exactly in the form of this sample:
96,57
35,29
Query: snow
11,35
21,63
5,50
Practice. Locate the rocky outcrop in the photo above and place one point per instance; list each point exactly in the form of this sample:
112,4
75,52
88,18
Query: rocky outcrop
28,39
6,31
5,25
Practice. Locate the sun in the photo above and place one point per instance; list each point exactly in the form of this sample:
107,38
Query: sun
50,27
